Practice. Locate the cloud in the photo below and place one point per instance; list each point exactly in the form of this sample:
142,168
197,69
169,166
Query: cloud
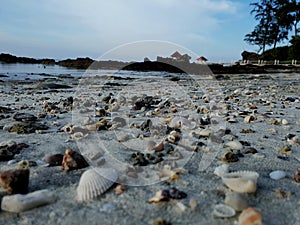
95,26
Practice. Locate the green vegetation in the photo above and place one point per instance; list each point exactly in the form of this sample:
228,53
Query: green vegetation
278,21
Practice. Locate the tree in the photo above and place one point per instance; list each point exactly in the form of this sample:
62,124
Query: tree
276,18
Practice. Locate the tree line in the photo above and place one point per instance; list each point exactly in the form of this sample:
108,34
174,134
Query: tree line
278,21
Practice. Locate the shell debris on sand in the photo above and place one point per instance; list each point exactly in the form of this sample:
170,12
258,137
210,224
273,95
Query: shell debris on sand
236,201
241,181
250,216
223,211
94,182
19,203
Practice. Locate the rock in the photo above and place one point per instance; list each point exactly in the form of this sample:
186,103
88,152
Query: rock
15,181
51,86
27,128
24,117
20,203
252,56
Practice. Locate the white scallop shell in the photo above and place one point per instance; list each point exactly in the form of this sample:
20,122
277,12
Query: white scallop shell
94,182
277,174
241,181
223,211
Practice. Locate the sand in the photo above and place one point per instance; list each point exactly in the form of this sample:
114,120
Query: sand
275,96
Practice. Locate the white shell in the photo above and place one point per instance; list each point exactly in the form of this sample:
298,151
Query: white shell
221,170
223,211
284,122
241,181
94,182
277,174
234,145
19,203
236,201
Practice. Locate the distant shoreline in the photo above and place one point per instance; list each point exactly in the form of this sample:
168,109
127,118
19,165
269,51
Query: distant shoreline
163,66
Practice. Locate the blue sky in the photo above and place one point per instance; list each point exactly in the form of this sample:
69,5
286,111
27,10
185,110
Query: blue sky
88,28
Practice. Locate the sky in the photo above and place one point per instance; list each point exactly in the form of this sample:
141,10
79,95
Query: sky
102,29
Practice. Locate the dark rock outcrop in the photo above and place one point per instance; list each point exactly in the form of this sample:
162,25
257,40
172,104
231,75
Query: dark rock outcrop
251,56
79,63
7,58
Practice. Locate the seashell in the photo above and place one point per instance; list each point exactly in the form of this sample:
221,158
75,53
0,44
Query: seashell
234,145
180,207
15,181
249,119
67,128
180,122
277,174
223,211
94,182
274,121
250,151
124,138
259,155
54,160
236,201
284,122
229,157
241,181
73,160
167,172
119,189
193,204
221,170
250,216
88,121
232,120
297,176
91,127
100,112
78,136
23,164
202,110
159,196
285,150
205,133
20,203
159,147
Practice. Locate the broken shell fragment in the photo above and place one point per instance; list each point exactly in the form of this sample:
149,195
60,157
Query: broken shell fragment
241,181
223,211
234,145
236,201
73,160
15,181
20,203
250,216
94,182
297,176
221,170
23,164
230,157
119,189
249,119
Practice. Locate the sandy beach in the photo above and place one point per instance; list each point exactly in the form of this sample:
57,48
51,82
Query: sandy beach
247,122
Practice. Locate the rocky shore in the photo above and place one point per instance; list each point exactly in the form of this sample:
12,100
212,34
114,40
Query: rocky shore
168,151
169,66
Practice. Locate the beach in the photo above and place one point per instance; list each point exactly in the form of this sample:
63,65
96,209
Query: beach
257,114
